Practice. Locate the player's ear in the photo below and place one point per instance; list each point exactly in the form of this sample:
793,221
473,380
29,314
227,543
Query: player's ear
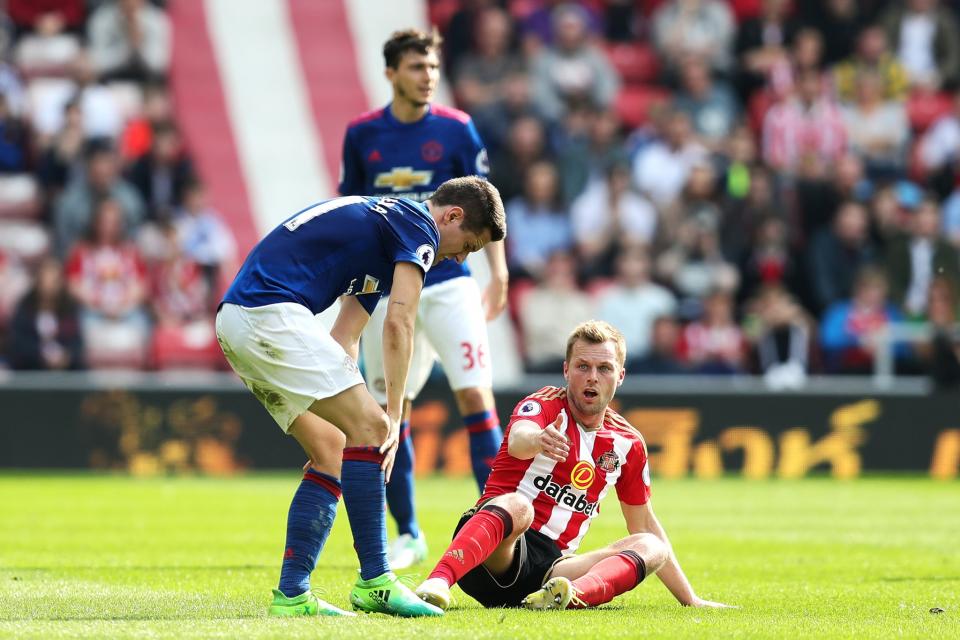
565,371
454,214
623,372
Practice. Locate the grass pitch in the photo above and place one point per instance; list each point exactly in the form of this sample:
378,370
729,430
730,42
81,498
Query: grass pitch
104,556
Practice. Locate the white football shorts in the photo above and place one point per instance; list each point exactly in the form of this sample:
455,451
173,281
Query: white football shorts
285,356
451,325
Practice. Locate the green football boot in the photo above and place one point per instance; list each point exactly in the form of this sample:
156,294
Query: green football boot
305,604
386,594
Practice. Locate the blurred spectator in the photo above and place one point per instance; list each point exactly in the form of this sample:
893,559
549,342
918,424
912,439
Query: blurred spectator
538,223
782,340
634,302
589,157
179,291
204,237
662,357
495,120
768,261
572,70
46,17
61,160
763,43
838,252
808,125
129,40
939,148
710,104
162,174
102,117
540,26
821,190
951,219
107,276
14,283
877,129
872,56
73,210
942,353
699,202
693,263
927,40
12,89
741,216
609,215
914,260
886,225
157,112
714,344
14,142
661,168
45,332
805,56
839,21
702,28
480,74
850,329
549,310
459,36
526,144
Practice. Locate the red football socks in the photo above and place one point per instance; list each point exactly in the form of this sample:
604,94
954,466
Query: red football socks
609,578
474,543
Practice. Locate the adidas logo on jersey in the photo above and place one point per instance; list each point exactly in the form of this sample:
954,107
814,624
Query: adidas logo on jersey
564,495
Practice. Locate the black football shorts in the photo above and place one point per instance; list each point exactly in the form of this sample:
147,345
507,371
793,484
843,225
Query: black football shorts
533,559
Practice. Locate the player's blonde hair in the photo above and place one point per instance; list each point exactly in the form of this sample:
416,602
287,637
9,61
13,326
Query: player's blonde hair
598,332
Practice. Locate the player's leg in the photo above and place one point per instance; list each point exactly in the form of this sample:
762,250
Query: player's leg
454,321
488,537
409,547
310,517
355,412
598,577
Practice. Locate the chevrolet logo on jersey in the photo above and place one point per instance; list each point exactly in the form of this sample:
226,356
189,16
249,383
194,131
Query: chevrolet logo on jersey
402,179
563,495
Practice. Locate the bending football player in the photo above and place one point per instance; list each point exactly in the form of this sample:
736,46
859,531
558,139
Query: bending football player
564,450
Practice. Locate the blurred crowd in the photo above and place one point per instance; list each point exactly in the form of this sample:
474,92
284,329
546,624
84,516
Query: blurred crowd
741,186
109,253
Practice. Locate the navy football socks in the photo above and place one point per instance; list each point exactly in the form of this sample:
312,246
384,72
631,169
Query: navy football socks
400,488
485,439
309,521
363,495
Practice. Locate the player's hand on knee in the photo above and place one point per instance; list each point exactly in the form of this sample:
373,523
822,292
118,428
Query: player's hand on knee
389,446
553,442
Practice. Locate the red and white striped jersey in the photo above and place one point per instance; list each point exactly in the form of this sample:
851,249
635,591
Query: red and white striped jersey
566,495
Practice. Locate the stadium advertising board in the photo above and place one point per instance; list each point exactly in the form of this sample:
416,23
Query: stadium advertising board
225,431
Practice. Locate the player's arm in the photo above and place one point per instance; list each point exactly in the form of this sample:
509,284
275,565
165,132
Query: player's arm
495,297
640,518
527,439
349,324
398,347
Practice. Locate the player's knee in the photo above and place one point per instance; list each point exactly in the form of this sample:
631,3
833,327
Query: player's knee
372,428
519,508
651,548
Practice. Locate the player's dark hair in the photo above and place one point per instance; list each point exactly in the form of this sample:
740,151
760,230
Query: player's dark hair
481,204
409,40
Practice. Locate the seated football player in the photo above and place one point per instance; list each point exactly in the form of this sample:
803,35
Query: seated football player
563,451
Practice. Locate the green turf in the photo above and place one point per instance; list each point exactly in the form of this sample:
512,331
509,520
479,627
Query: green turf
94,556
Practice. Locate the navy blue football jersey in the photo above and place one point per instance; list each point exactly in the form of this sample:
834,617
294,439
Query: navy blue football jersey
410,160
339,247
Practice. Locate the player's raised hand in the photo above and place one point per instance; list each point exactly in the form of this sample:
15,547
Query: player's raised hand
389,447
553,442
